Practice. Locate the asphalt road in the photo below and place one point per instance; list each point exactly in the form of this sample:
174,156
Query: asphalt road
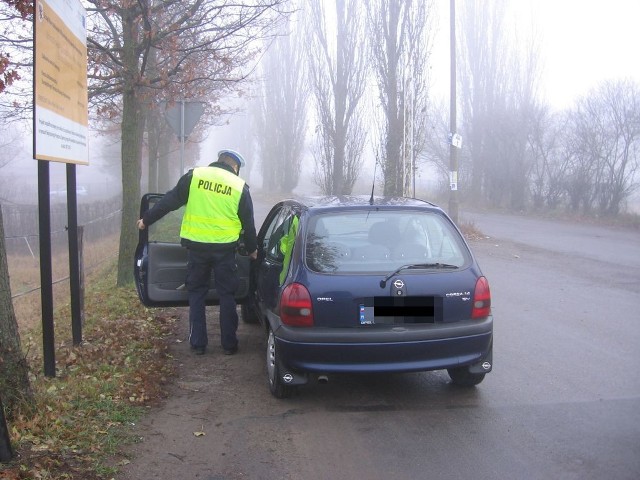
563,400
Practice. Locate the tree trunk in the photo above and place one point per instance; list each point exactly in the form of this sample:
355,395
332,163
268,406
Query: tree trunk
131,151
153,121
131,172
393,162
6,452
14,378
394,115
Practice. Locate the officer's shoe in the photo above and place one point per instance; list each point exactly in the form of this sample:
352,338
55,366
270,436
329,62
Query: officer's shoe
231,351
198,350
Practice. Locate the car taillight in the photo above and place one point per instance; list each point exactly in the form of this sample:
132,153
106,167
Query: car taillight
481,299
295,306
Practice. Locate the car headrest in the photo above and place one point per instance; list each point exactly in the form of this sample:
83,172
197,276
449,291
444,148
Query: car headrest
383,233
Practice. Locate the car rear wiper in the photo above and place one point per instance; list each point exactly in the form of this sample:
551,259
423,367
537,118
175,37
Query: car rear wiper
383,283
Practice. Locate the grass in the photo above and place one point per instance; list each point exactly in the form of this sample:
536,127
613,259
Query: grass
25,277
470,231
81,421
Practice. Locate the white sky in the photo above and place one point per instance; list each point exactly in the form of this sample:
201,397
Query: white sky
583,42
586,42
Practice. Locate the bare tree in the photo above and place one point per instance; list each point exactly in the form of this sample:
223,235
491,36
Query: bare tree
482,50
281,119
400,33
337,70
582,172
16,60
437,148
622,104
509,143
201,48
549,167
499,82
14,379
14,370
605,141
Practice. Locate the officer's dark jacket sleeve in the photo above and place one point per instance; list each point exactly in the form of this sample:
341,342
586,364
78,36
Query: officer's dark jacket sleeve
245,213
172,200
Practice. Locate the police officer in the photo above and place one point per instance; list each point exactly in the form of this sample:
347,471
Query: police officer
218,207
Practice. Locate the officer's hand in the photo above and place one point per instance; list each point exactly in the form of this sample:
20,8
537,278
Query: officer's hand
253,255
140,224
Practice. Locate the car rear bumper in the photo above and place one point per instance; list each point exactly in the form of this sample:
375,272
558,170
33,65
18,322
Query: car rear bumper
398,349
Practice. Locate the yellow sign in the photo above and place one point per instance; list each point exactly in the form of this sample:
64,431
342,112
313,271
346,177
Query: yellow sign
60,82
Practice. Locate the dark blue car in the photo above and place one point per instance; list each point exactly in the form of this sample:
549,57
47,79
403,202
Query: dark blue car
361,285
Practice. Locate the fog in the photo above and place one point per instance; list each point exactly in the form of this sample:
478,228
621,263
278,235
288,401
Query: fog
581,45
100,180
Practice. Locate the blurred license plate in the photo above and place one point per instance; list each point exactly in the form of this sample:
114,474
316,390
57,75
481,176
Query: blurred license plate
398,310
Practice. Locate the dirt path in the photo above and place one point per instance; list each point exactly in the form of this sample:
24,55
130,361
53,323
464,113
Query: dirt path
219,421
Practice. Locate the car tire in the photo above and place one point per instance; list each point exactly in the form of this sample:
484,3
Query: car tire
249,313
463,377
277,387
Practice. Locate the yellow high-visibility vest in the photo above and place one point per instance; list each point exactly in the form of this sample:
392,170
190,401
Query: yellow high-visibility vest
211,215
286,247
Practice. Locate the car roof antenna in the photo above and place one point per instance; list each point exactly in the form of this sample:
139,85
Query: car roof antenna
373,186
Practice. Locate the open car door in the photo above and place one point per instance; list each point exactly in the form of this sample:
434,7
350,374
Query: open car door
160,264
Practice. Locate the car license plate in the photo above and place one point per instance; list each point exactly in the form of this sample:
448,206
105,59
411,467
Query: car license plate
398,310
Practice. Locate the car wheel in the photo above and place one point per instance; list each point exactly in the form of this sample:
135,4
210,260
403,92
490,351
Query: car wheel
249,313
276,386
463,377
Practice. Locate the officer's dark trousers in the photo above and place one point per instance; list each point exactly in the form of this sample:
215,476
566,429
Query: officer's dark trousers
226,282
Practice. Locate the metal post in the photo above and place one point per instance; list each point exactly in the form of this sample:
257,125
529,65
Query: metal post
404,127
413,121
46,274
74,252
453,154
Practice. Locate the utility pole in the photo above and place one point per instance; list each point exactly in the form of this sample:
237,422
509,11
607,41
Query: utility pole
182,135
454,142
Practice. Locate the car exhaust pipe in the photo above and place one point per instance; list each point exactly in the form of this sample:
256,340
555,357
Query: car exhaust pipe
323,379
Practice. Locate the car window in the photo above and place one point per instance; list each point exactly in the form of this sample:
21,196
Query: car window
287,242
275,232
361,241
167,229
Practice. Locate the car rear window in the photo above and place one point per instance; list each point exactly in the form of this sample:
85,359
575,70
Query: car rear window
373,241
